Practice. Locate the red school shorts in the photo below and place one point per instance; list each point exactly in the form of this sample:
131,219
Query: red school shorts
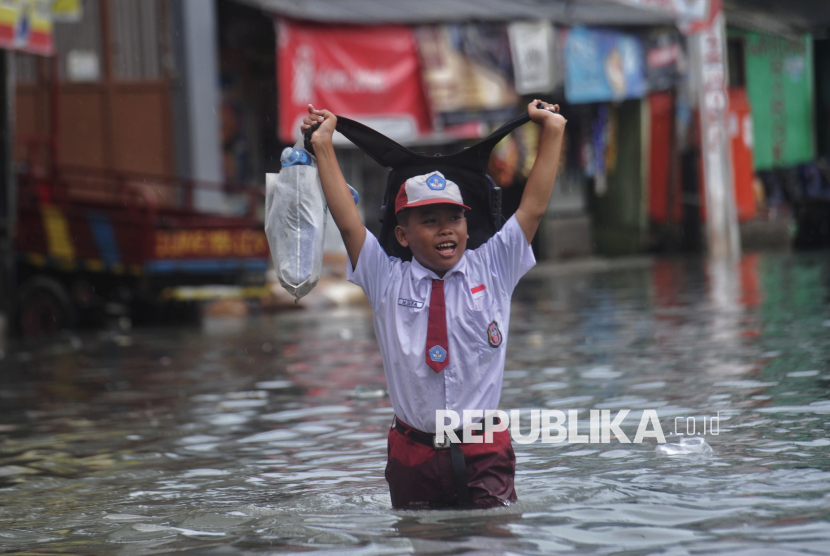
421,477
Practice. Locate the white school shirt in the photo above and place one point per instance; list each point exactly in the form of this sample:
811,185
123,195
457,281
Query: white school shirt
399,293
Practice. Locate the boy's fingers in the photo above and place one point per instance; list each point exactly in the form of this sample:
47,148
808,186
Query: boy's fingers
314,112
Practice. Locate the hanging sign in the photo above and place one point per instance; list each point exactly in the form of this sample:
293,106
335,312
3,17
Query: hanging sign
532,45
34,27
8,22
67,11
602,65
780,89
26,25
367,73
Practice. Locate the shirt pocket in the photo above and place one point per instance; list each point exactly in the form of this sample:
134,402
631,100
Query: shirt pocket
485,329
411,323
482,298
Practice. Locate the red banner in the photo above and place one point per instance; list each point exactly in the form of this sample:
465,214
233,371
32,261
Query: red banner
369,74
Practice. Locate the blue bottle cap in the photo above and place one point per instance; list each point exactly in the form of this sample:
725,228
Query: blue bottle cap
286,156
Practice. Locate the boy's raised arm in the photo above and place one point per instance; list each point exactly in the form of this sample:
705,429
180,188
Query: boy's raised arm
338,197
543,175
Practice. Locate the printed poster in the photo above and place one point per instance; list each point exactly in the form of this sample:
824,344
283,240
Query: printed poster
467,71
665,61
602,65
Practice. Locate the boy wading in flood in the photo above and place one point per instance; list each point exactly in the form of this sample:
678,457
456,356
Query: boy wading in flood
442,320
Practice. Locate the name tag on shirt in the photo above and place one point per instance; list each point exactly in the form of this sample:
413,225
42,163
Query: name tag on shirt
409,303
479,291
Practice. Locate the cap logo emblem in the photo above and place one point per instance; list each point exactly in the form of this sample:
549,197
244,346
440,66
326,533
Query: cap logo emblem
436,182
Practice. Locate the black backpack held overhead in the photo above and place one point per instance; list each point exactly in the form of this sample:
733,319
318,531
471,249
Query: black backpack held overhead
467,168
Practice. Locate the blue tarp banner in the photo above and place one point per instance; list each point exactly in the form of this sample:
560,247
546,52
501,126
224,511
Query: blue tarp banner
602,65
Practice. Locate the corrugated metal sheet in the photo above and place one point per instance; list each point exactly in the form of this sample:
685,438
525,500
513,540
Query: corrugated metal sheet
84,35
135,29
136,33
166,58
25,67
126,44
566,12
149,30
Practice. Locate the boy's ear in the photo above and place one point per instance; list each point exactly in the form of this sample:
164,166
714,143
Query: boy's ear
400,235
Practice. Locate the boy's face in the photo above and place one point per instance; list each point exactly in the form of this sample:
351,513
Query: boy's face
436,235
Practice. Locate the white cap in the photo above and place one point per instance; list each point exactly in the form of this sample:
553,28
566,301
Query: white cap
428,189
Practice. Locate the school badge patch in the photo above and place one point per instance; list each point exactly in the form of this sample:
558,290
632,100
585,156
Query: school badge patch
494,334
436,182
437,354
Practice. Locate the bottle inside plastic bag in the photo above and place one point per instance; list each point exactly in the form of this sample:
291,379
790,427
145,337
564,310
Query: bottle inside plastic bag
295,221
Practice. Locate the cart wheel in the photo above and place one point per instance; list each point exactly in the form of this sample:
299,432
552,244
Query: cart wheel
43,307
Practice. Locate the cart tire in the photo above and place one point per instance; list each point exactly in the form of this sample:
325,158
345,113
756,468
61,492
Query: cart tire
43,307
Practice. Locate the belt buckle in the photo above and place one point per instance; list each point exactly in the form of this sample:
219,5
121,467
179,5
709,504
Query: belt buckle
443,446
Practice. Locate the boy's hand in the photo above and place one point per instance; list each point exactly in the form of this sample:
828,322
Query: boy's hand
327,122
547,116
543,175
338,198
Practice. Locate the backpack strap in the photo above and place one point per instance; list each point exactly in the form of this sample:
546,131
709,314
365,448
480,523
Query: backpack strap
391,154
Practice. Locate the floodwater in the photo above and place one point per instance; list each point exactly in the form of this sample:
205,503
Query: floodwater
266,435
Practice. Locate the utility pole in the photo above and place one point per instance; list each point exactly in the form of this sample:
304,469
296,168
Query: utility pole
8,192
709,64
704,24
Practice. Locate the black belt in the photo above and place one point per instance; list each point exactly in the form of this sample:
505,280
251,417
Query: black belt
459,466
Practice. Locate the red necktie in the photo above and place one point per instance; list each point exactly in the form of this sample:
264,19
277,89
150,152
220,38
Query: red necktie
438,349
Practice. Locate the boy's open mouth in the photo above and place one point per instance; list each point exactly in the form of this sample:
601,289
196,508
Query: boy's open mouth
446,249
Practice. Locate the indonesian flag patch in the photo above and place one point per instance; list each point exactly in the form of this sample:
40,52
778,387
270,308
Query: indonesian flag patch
479,291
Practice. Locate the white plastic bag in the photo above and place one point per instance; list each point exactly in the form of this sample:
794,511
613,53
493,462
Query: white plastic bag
688,445
295,224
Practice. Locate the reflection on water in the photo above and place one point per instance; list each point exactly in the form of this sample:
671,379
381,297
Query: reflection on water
268,434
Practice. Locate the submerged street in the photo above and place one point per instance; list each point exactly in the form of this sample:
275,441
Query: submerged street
268,433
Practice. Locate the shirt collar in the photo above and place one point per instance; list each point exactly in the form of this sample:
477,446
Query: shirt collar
420,272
